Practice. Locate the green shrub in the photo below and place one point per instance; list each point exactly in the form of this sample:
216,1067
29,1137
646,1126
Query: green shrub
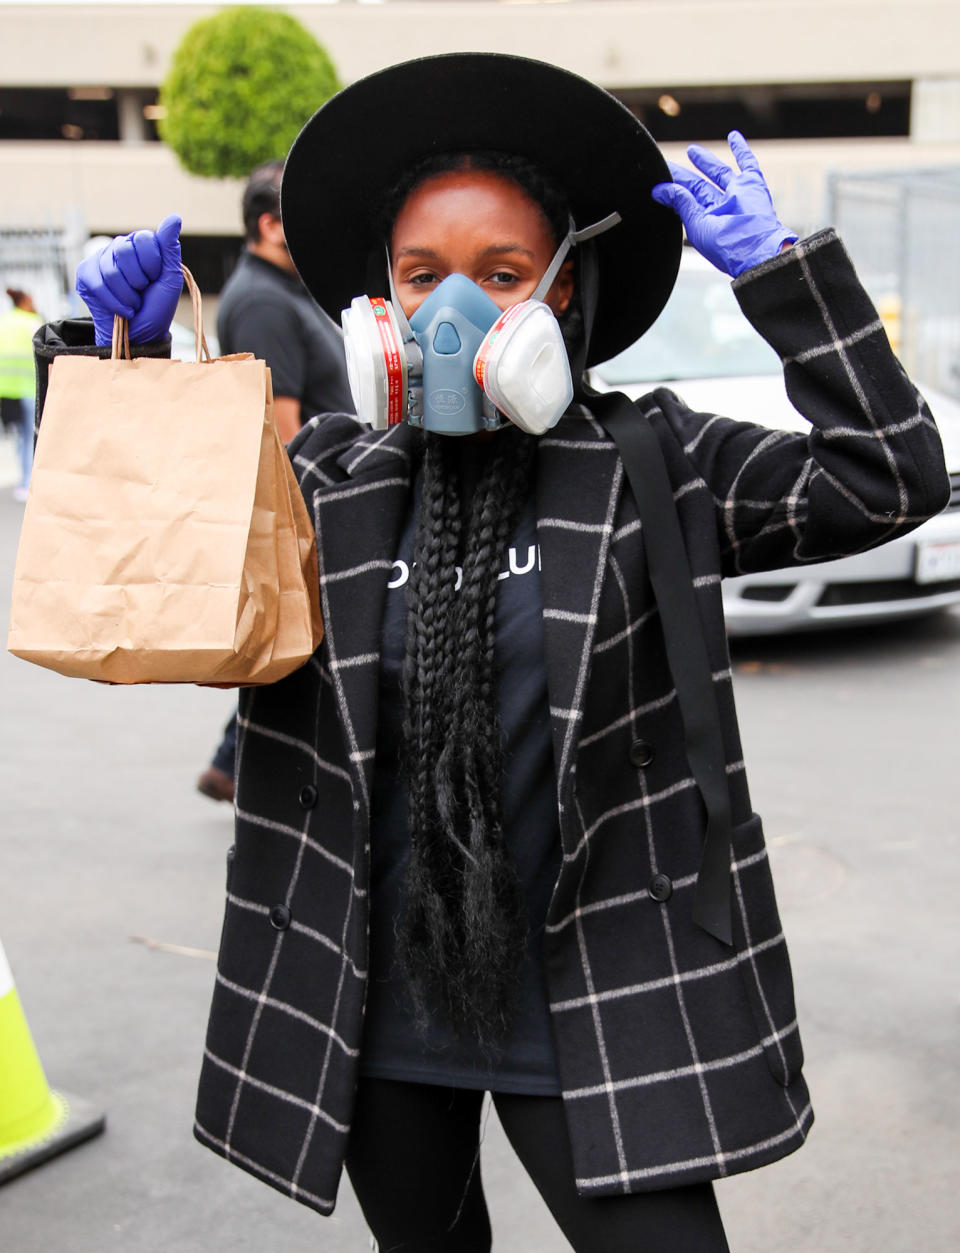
240,86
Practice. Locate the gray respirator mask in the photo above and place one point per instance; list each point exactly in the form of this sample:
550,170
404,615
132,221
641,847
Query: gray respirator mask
461,364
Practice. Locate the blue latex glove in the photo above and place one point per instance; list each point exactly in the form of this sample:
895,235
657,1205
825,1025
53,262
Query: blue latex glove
729,217
137,276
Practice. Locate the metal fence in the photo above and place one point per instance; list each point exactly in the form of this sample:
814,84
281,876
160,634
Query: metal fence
42,260
902,229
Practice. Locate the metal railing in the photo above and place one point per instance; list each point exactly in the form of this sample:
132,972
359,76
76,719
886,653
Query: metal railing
42,260
902,229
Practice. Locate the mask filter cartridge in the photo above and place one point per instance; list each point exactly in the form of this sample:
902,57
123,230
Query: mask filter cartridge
376,361
522,367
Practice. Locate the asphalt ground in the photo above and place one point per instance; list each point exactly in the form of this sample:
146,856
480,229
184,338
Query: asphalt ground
111,883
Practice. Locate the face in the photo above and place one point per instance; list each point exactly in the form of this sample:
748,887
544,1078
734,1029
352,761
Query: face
476,223
273,242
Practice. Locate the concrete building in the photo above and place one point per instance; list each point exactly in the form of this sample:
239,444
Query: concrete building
817,85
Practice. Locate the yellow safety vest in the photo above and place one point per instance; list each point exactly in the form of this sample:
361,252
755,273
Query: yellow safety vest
16,352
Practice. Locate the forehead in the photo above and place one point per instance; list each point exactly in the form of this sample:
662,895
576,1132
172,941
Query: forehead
462,203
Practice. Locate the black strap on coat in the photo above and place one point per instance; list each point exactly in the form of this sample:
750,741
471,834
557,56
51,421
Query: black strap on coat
685,644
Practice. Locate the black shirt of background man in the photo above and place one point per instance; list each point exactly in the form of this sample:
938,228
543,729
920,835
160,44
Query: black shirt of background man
266,311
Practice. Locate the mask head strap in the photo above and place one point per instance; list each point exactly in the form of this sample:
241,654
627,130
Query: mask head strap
588,286
572,238
406,331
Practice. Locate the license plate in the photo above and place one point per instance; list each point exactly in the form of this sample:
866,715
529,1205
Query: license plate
936,562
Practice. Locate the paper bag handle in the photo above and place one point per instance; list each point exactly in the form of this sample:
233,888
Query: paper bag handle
121,327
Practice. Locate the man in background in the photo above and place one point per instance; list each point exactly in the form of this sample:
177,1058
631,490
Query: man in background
17,383
266,310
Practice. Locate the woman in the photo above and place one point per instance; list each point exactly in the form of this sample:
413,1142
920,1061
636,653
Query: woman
475,850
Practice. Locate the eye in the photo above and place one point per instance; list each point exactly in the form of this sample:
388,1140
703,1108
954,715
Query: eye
423,278
503,278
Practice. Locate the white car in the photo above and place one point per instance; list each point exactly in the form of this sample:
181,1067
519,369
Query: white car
184,343
704,349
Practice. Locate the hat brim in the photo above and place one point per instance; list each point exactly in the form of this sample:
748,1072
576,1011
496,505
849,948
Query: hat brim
362,140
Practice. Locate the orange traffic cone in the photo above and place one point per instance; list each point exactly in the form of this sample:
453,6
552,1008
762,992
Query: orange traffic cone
35,1123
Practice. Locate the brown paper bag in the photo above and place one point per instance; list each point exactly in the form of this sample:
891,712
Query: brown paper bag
165,539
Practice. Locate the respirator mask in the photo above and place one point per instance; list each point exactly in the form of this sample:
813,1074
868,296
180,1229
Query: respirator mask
461,364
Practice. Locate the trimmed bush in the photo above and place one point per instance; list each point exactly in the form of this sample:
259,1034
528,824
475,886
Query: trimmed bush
241,85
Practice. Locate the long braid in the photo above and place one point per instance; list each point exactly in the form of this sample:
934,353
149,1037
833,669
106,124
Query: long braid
461,933
492,915
432,584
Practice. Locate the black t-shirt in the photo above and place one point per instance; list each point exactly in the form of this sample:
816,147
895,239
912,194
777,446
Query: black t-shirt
266,311
392,1048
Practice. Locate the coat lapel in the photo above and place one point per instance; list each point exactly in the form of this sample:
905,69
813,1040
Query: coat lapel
358,522
579,481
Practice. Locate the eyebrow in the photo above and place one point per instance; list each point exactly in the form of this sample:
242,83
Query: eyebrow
430,254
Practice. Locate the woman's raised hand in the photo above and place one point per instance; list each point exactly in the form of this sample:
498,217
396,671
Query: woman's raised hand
728,215
137,276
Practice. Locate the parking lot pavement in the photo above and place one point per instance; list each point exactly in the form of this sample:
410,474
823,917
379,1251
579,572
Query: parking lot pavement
111,881
9,460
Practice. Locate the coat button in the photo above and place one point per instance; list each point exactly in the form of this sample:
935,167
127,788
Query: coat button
280,917
661,888
641,753
308,796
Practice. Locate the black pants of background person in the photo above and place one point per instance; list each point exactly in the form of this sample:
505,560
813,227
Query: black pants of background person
217,780
413,1161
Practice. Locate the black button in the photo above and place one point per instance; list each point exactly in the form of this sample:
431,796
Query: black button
641,753
280,917
661,888
308,796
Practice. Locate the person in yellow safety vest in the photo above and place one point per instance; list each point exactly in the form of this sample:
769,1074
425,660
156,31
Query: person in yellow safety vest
16,374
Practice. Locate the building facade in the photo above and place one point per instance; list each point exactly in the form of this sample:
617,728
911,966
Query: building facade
818,86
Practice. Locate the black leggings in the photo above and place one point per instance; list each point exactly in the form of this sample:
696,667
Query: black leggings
413,1160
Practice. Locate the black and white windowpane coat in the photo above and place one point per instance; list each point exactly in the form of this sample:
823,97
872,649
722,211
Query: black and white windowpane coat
679,1057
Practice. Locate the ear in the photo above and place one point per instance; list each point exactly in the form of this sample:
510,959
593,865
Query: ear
561,293
270,228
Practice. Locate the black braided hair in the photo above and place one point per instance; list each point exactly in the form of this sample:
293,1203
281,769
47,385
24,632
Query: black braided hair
461,932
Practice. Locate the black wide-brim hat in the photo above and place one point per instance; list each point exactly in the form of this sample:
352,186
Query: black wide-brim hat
362,140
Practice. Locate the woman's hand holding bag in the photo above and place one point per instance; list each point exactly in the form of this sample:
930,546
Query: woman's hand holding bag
138,277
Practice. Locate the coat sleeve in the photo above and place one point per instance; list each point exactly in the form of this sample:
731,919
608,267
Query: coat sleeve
871,467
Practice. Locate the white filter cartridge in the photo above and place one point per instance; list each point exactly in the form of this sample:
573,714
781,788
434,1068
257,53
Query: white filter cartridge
522,366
